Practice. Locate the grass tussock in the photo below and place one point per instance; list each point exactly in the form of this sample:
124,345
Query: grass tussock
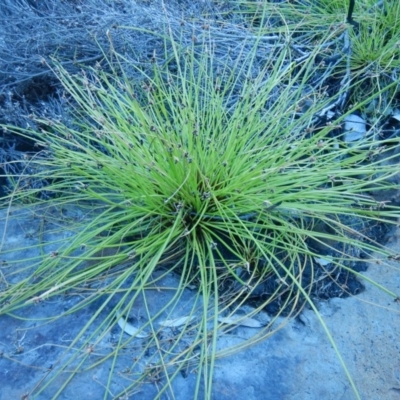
369,50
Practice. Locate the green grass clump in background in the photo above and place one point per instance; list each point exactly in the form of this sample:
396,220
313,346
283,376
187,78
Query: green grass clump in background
373,46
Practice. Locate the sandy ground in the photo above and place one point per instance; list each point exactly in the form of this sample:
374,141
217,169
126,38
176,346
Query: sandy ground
297,362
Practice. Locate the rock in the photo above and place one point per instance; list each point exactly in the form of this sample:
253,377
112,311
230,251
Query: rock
355,128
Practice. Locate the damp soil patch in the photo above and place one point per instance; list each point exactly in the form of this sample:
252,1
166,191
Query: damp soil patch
319,276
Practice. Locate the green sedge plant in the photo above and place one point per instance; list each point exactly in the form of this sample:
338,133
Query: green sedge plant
372,51
220,177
